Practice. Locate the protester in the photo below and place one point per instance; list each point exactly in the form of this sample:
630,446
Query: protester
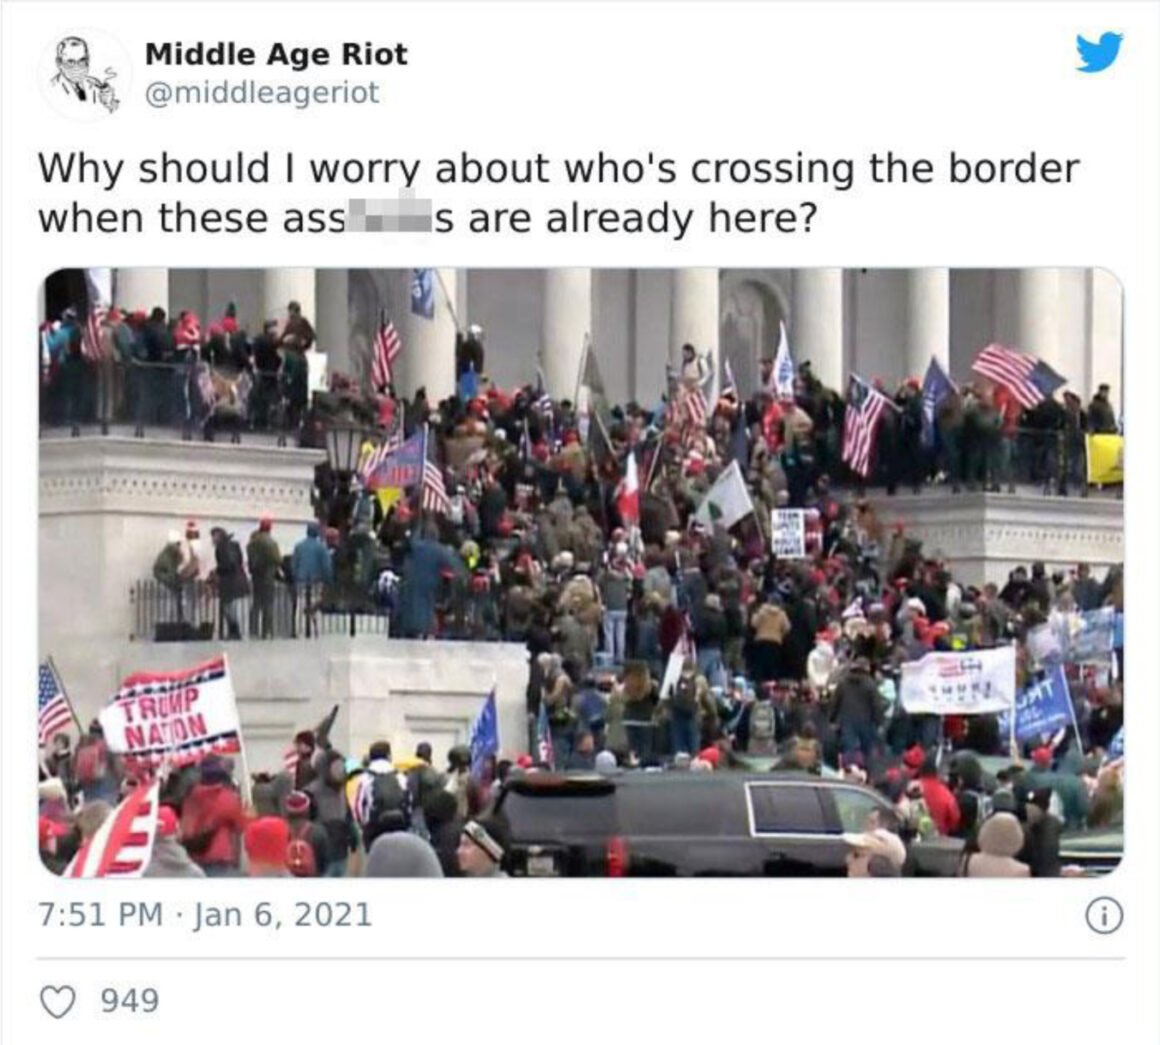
402,856
212,821
481,848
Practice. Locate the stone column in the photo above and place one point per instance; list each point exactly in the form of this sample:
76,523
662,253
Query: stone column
567,322
428,359
141,288
332,324
695,319
817,325
928,320
281,286
1027,313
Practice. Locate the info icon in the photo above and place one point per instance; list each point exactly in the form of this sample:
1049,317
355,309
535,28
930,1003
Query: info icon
1104,916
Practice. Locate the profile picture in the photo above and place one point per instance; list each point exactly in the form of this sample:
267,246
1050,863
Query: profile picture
85,75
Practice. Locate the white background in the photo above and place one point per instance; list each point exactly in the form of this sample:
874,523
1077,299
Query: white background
997,960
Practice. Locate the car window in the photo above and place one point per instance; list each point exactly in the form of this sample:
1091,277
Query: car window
854,808
785,810
554,818
703,811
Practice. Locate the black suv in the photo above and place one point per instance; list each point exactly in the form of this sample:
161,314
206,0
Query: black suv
681,823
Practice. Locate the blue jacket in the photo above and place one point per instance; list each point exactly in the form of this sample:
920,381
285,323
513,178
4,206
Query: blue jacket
311,562
422,574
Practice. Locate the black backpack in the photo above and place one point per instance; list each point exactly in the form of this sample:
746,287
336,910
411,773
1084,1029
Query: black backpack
392,803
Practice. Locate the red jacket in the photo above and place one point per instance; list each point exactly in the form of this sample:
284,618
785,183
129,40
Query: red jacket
943,806
214,808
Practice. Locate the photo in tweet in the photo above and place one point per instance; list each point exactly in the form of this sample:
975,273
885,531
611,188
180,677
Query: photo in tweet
581,572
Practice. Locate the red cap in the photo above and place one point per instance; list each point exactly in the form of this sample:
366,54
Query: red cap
265,523
266,840
525,762
914,757
711,755
1041,756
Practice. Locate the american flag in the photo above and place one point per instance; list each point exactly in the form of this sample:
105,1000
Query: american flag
691,406
864,406
392,440
91,347
434,494
123,845
1030,380
52,711
388,345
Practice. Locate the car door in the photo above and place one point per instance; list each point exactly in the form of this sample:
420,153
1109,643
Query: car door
794,829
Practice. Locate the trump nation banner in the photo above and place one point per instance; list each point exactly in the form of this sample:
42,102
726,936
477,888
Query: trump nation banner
178,717
981,682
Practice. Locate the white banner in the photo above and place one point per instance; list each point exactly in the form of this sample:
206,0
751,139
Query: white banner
981,682
788,527
175,716
728,500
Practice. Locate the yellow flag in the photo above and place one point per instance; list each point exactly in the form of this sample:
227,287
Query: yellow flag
387,496
1105,459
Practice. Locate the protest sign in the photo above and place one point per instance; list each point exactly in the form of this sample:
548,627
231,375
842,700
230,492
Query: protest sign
1042,707
788,529
178,717
981,682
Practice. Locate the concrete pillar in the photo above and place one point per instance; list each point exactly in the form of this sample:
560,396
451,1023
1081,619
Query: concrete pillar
428,359
1105,349
332,324
1027,313
817,325
696,318
141,288
281,286
928,320
567,322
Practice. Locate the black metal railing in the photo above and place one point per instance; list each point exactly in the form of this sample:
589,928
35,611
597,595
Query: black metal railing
191,397
195,612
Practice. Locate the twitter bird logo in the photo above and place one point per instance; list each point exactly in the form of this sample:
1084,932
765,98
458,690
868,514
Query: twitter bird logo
1098,57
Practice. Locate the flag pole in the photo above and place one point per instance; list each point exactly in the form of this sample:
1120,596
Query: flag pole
64,693
580,373
246,787
447,298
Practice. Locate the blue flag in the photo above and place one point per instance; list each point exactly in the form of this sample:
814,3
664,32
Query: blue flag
545,749
469,383
936,386
1042,707
484,736
1115,746
423,293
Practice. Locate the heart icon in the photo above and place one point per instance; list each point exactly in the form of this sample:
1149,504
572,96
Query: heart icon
58,1001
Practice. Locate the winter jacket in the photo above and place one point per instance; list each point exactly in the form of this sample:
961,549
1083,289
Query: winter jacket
212,816
311,562
170,860
943,806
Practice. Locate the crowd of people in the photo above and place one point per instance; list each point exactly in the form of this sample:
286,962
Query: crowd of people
545,536
152,369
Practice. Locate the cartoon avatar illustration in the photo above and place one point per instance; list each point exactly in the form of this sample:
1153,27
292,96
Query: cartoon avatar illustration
73,77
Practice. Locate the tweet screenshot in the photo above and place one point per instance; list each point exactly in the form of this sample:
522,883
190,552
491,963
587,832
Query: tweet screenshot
518,514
